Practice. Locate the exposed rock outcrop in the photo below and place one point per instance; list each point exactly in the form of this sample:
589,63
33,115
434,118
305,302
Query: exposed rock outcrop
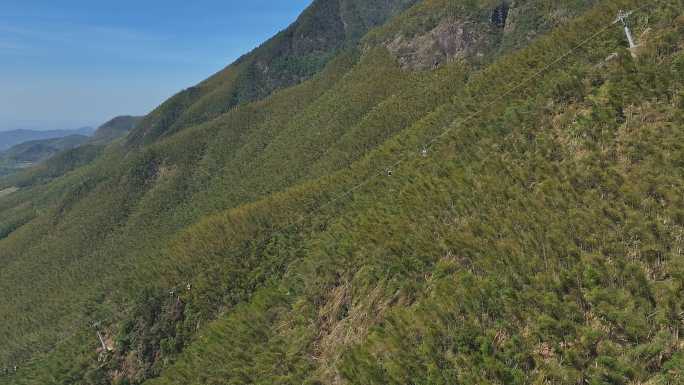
448,41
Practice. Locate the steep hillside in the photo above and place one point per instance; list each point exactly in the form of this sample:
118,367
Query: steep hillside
473,192
294,55
115,129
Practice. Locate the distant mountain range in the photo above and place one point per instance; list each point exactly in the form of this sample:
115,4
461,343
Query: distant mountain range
21,149
14,137
29,153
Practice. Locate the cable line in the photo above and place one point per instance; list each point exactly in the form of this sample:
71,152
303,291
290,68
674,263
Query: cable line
391,169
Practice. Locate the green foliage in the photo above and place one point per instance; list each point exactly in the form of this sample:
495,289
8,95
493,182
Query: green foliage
58,165
290,57
539,240
114,129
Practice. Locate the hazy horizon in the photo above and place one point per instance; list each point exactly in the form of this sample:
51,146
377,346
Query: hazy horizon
77,63
45,125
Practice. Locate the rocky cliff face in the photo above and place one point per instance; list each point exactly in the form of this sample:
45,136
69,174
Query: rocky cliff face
290,57
450,40
272,246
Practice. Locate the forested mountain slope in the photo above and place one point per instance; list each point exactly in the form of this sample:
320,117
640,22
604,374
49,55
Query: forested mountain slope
290,57
504,208
115,129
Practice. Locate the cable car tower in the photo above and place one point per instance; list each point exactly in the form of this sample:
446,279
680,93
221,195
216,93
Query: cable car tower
622,18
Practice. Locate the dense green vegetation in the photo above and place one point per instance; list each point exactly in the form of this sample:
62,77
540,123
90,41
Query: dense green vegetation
294,55
537,240
115,129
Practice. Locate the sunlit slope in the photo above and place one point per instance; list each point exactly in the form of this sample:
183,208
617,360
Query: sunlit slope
115,129
537,240
290,57
83,232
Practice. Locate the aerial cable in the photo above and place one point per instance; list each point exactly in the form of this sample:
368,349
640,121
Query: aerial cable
389,171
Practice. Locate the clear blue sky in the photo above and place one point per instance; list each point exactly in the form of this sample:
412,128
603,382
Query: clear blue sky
70,63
